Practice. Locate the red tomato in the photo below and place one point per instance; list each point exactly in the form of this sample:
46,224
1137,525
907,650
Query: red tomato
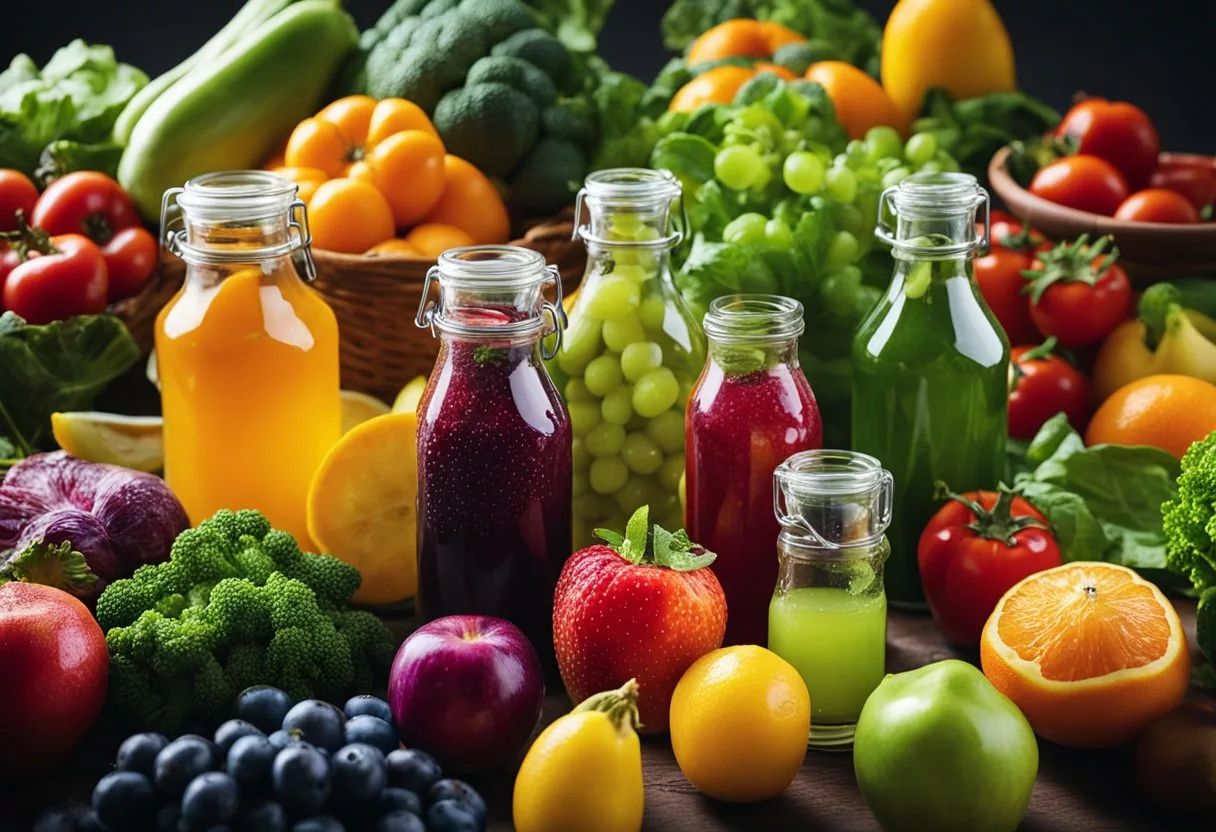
1086,183
10,259
85,202
131,257
973,550
1157,205
1079,294
17,193
1115,131
999,274
68,280
1194,179
1010,232
1043,384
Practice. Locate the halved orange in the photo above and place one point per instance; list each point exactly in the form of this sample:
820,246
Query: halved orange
1090,652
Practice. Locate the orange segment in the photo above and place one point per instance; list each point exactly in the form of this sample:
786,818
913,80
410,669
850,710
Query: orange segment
1091,653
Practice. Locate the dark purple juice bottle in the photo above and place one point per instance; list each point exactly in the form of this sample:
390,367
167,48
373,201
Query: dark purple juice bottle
494,438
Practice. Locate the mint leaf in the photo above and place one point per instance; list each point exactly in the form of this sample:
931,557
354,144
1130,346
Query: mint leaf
610,537
634,549
673,551
489,355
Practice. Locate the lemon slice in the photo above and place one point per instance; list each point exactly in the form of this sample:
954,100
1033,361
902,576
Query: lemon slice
357,408
361,506
130,441
410,395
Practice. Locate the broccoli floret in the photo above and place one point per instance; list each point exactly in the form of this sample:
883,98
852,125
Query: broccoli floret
1189,522
572,120
549,177
517,73
539,48
245,666
491,125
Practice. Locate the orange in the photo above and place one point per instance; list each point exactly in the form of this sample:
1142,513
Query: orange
408,169
860,102
717,86
1166,411
434,238
393,248
472,203
741,37
1090,652
348,216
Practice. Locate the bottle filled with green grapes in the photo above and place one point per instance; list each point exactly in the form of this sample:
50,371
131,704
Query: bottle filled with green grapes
630,355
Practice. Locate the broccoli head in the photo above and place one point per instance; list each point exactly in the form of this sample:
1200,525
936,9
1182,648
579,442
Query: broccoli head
539,48
492,125
549,177
1189,522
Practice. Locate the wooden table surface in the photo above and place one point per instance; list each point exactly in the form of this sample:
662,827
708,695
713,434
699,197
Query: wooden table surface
1076,791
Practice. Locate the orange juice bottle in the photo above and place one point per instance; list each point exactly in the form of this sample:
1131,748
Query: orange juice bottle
247,353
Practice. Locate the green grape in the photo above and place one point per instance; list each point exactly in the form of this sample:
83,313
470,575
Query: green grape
667,431
602,374
655,392
580,344
882,142
867,299
641,454
889,164
920,148
579,458
635,492
605,439
640,358
583,417
778,234
622,332
894,177
948,162
576,391
839,290
652,313
580,486
746,228
933,166
632,272
613,297
608,474
850,218
754,116
738,167
617,406
638,257
588,507
624,226
841,184
856,153
803,172
841,252
671,471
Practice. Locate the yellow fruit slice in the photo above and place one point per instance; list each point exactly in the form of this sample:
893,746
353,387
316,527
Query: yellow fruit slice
130,441
357,408
361,506
407,400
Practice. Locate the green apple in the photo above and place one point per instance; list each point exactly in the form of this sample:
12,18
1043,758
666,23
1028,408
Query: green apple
940,748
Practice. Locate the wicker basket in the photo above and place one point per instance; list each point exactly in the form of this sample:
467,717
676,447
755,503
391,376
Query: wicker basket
375,300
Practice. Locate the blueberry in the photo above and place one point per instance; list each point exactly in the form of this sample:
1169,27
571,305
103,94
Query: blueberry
320,823
369,705
249,763
168,816
357,776
181,761
411,769
138,753
280,739
211,798
89,822
217,759
231,731
263,706
372,730
451,816
461,792
319,723
59,819
399,821
261,816
301,780
393,800
124,799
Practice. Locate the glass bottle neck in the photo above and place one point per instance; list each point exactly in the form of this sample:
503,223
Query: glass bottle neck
736,358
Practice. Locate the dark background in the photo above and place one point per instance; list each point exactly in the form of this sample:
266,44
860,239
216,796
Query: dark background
1156,53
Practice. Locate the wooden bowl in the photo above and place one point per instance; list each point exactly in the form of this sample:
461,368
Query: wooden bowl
1148,250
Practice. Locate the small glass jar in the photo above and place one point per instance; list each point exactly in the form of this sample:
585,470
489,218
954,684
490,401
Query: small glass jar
828,615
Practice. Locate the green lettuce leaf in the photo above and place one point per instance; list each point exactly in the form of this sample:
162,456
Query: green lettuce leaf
577,23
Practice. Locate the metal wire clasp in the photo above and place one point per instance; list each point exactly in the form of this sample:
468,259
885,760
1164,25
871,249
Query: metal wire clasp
428,309
885,232
557,315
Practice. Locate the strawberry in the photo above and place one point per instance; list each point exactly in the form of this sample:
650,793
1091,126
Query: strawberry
644,606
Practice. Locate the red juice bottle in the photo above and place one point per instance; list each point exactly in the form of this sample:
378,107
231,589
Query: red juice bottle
751,409
494,476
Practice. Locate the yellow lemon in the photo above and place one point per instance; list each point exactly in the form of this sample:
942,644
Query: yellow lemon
357,408
130,441
740,719
407,400
361,506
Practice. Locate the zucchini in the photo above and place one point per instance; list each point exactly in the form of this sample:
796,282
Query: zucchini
228,114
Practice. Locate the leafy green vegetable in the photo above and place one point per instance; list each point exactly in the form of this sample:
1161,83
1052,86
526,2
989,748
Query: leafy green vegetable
1189,519
76,97
626,134
65,156
58,366
1104,501
577,23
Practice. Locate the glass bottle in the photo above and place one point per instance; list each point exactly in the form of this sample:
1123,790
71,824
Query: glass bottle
630,355
247,352
493,444
751,408
930,364
828,616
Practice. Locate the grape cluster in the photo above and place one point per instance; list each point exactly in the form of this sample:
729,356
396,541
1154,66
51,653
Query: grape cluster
304,767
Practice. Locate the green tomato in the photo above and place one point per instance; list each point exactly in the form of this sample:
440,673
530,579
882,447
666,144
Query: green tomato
940,748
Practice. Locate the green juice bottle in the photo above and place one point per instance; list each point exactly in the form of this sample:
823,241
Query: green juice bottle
930,364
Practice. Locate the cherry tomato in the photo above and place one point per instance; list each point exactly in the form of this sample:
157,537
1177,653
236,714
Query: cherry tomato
1115,131
1086,183
1193,177
1043,384
10,259
17,193
131,257
1079,293
85,202
1157,205
973,550
999,274
69,279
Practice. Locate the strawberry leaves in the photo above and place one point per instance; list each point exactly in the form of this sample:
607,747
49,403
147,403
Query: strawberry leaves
670,550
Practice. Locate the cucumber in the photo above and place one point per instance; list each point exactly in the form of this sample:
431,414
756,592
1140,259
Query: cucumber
229,113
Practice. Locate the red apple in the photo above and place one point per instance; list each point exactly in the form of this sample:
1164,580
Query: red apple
468,690
55,665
